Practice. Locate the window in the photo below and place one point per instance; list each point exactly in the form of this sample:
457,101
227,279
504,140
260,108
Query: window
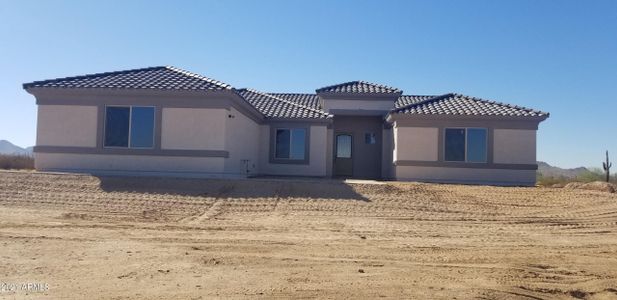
466,144
476,145
370,138
290,144
343,146
129,126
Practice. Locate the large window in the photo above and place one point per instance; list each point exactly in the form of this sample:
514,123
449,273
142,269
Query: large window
290,144
129,126
466,144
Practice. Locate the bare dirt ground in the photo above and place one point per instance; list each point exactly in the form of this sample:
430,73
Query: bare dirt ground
133,238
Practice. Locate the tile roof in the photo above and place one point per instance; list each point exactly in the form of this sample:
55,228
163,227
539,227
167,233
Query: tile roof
405,100
310,100
288,105
457,104
159,78
273,106
359,87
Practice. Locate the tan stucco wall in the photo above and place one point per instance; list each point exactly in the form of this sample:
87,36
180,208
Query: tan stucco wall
242,140
466,175
193,128
514,146
416,143
357,104
131,163
317,159
66,125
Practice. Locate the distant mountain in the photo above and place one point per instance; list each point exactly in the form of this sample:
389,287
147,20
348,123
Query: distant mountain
551,171
7,147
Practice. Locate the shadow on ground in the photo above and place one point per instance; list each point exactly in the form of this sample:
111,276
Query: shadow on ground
234,188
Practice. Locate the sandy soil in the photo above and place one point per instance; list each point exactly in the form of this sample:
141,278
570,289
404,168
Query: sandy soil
130,238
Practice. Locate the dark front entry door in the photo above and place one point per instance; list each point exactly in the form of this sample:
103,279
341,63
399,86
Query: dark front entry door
343,160
357,146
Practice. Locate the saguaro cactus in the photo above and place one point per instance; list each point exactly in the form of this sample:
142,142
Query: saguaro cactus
607,167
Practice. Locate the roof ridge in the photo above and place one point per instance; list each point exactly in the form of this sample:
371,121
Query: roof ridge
335,85
287,101
199,76
95,75
390,89
396,90
433,98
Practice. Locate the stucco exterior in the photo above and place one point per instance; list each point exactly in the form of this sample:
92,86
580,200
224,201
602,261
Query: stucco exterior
515,146
193,134
203,127
193,128
242,140
466,175
130,164
351,105
416,143
418,152
66,125
387,152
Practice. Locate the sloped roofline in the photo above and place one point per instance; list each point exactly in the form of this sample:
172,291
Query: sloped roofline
220,84
366,90
328,116
448,95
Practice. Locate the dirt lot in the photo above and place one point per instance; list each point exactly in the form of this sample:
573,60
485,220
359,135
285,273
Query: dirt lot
130,238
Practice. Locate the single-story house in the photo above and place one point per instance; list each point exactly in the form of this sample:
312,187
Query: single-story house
167,121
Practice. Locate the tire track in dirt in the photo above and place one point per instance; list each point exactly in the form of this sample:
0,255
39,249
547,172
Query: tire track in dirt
312,237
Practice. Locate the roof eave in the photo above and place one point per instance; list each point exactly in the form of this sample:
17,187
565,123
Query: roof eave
326,120
62,90
394,116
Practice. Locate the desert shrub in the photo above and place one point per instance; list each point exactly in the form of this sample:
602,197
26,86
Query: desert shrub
594,174
550,180
16,162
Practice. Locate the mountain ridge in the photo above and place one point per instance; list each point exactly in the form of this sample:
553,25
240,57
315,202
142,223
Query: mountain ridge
9,148
552,171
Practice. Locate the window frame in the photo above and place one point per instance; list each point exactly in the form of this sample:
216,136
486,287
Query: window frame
372,138
281,160
351,146
291,130
466,161
130,127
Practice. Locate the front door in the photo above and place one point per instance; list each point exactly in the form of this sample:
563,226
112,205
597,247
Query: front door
343,156
357,146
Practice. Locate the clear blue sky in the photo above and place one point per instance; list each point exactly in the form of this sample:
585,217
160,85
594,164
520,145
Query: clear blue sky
556,56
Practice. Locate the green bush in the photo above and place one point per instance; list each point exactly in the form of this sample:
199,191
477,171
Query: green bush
16,162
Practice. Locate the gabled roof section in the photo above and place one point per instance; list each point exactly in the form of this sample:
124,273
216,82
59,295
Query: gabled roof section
359,87
153,78
457,104
273,106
